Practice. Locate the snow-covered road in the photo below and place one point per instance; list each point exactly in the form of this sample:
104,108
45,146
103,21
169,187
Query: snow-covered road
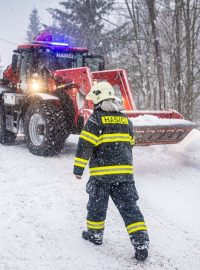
42,211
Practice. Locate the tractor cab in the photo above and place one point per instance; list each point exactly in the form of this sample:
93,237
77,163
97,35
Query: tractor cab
42,59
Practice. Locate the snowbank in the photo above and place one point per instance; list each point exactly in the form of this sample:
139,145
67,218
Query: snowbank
191,143
188,150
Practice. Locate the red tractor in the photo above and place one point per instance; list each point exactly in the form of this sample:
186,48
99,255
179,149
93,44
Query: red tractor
42,95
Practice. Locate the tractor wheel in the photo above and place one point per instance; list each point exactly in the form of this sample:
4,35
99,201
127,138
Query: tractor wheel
45,129
6,136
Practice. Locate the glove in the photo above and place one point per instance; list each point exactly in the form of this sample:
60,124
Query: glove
78,177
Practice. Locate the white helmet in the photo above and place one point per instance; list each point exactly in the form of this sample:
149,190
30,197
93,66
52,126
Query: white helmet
101,91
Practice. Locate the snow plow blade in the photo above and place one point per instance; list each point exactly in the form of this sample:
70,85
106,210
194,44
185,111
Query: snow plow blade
159,127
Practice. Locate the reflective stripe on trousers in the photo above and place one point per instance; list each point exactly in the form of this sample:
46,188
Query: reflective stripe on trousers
135,227
96,225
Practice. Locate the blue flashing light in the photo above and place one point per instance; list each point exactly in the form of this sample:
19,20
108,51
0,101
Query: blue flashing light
51,43
59,44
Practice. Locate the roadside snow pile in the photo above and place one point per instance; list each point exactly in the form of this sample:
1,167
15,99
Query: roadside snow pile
188,150
151,120
191,143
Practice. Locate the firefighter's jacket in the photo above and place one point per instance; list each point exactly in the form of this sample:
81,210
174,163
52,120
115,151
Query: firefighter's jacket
106,142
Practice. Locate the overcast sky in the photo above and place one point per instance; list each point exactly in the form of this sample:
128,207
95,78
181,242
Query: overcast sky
14,20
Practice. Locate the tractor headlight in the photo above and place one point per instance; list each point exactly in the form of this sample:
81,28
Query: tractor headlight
35,85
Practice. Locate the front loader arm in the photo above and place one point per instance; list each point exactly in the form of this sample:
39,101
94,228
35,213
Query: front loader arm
170,127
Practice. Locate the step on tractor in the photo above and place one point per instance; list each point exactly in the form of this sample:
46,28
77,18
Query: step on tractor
42,95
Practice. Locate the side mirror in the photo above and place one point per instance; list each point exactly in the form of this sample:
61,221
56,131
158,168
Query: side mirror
101,65
94,62
14,62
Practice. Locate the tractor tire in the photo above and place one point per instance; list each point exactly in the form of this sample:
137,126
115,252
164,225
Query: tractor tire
45,129
6,136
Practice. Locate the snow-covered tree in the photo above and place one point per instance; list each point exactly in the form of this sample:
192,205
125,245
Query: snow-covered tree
34,26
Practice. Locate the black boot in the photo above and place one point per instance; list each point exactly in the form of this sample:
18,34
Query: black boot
141,254
140,241
94,236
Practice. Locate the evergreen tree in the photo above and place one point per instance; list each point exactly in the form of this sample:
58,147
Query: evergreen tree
34,25
83,20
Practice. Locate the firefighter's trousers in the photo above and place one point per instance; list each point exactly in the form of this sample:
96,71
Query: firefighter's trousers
124,196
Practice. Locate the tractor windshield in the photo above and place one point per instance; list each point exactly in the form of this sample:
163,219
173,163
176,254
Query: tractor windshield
57,60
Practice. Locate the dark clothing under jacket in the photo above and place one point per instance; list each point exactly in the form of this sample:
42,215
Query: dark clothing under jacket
106,141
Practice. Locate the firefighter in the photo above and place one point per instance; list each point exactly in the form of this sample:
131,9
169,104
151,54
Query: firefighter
106,142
